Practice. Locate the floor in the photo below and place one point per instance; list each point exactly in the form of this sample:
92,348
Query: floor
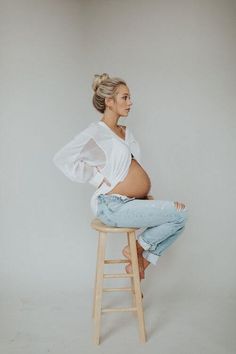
180,321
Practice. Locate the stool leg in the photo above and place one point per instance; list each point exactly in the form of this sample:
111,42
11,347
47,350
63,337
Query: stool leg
95,282
99,286
131,279
135,267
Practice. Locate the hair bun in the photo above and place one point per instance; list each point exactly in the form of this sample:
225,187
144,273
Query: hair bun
98,79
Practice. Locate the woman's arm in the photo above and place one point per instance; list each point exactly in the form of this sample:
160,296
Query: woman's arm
76,160
150,197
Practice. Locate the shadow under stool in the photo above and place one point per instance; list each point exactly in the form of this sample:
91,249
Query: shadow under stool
135,289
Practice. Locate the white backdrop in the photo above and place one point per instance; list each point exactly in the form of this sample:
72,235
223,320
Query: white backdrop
178,59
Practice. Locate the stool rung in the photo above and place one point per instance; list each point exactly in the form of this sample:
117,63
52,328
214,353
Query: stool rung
117,289
119,275
117,309
114,261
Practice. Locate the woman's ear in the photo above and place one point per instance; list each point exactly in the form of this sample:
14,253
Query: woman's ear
108,101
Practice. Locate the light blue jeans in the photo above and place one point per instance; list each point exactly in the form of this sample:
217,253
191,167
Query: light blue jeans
163,222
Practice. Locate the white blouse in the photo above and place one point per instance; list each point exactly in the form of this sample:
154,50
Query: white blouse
95,153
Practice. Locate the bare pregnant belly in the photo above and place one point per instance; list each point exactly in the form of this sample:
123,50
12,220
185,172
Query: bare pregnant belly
136,184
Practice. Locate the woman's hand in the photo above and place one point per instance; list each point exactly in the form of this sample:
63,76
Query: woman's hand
105,180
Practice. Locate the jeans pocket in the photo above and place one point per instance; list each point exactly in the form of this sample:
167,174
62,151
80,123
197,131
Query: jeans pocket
114,204
111,203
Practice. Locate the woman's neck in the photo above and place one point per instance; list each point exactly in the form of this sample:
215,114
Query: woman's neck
113,124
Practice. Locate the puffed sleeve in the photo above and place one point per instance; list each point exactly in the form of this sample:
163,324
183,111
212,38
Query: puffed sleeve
80,160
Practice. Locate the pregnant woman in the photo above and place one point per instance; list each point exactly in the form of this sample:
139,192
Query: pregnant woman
108,156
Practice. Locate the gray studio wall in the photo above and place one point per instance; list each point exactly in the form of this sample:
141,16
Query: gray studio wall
178,58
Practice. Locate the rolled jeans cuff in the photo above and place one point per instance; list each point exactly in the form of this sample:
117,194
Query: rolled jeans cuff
144,244
151,257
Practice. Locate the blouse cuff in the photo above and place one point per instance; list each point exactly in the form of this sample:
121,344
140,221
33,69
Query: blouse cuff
96,179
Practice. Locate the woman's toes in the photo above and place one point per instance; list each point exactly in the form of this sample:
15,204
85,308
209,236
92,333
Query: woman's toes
128,268
126,252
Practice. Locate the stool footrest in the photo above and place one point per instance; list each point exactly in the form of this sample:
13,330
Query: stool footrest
114,261
117,309
118,275
117,289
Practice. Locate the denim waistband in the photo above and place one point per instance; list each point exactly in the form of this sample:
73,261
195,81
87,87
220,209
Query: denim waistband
114,196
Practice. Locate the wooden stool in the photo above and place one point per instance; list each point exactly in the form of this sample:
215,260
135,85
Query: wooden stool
134,277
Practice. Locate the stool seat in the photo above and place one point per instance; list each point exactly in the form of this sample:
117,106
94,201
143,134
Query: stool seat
134,277
100,226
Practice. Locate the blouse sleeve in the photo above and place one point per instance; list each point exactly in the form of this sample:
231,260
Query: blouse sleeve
80,159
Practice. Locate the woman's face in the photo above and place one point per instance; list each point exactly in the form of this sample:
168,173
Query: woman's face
123,102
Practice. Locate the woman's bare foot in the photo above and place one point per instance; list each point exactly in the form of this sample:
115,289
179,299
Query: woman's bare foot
126,250
146,263
128,268
143,263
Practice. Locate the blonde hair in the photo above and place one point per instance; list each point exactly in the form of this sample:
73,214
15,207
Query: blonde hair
105,86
